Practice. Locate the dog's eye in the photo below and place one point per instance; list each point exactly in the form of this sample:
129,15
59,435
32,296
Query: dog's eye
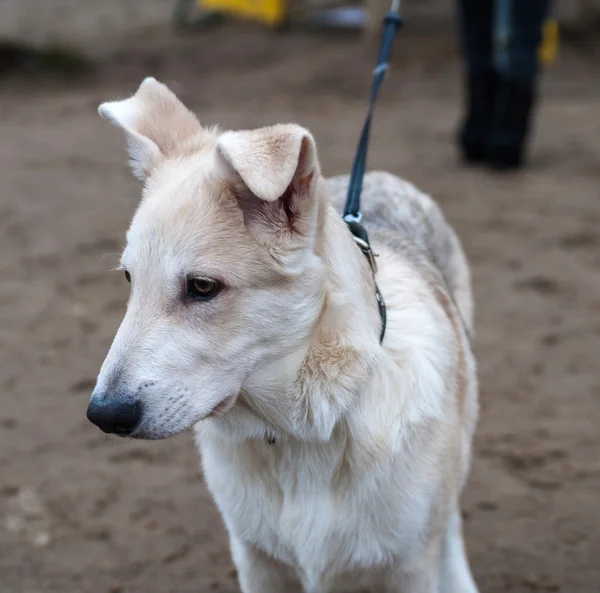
128,276
202,288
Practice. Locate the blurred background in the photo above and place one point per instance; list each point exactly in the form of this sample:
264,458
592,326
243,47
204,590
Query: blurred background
82,513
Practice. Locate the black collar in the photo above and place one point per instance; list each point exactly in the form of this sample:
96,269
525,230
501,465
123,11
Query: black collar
361,238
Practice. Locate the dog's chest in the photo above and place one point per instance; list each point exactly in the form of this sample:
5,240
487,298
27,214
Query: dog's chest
287,504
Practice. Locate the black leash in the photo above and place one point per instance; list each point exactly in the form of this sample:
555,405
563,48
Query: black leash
352,214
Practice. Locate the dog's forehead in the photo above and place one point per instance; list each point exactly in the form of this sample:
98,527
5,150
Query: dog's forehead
186,211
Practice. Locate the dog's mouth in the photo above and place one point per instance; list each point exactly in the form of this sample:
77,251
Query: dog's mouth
150,432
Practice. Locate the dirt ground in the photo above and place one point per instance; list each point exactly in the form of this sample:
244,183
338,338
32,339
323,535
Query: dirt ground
82,513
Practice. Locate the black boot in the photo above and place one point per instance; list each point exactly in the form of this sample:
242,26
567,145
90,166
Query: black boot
481,89
509,126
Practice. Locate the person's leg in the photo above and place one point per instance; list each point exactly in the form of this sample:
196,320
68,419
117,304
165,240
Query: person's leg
476,30
524,42
518,33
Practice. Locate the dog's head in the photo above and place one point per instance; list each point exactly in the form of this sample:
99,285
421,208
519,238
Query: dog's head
224,265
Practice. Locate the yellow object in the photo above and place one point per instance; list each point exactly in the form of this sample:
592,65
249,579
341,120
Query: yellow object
549,45
271,12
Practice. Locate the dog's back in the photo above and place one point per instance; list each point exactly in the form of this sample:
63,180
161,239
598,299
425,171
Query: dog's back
405,219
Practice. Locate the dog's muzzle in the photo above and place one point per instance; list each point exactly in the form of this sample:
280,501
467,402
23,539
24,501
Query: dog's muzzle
114,414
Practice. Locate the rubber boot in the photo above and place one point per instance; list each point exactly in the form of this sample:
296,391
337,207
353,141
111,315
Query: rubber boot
509,126
481,89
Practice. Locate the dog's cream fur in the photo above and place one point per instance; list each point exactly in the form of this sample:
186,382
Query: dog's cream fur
372,442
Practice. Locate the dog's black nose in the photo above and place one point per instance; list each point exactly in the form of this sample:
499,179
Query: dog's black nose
114,415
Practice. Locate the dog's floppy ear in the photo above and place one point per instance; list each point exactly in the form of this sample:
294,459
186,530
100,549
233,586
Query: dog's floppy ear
275,170
156,123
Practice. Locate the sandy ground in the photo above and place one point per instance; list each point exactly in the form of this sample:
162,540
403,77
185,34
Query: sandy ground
81,513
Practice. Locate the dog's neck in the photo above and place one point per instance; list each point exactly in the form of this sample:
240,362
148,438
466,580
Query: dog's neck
304,395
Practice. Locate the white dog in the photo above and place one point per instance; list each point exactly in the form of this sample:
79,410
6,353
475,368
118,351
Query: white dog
337,462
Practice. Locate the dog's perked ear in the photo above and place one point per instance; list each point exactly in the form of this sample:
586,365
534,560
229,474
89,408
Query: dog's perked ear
274,171
156,123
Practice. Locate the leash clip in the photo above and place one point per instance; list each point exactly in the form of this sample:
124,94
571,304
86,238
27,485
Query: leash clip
368,251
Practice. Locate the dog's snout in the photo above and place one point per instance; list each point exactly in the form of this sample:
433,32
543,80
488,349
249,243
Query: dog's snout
114,414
